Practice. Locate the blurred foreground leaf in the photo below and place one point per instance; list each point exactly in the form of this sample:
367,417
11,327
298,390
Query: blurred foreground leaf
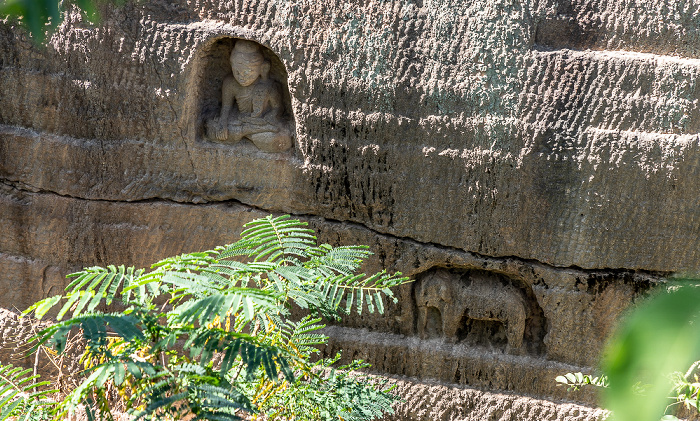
35,15
659,337
43,16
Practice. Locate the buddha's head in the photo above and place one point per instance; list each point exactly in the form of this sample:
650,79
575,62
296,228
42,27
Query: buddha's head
248,63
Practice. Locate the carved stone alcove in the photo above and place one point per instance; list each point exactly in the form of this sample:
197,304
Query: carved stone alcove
479,308
244,96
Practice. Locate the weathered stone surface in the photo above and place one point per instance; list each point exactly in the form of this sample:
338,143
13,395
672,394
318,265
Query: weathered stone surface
569,313
435,401
44,280
422,400
405,113
461,364
16,335
549,150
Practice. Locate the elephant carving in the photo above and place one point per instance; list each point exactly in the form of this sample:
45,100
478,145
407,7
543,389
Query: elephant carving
444,300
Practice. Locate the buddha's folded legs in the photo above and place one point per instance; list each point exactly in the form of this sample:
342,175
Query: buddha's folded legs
272,142
267,137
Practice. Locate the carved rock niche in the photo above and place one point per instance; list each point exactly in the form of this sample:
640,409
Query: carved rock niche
479,308
244,97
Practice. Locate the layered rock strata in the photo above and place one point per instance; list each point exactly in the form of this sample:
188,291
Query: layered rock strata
536,161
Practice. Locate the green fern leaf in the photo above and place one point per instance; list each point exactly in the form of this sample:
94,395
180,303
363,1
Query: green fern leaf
40,308
20,392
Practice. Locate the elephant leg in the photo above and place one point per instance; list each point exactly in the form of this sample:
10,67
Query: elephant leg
515,331
422,322
451,321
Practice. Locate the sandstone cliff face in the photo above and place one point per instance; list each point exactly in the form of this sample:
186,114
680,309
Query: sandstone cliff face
550,147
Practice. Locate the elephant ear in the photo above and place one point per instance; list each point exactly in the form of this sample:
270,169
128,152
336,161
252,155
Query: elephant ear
445,292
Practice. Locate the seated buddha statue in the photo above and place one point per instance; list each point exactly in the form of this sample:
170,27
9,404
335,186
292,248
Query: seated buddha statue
251,103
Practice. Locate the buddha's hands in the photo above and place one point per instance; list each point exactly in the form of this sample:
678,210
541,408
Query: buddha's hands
221,130
258,124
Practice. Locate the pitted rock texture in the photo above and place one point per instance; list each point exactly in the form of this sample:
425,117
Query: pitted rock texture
469,125
577,309
460,364
424,401
434,401
549,146
16,334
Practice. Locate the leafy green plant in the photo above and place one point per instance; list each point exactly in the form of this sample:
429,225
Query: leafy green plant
646,361
575,381
22,397
209,335
686,388
658,338
40,16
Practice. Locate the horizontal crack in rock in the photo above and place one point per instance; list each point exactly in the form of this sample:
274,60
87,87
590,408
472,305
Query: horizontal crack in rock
24,188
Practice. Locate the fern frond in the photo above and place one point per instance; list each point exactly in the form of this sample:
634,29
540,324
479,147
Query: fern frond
204,343
94,328
343,260
187,261
325,294
272,239
360,290
20,394
220,401
301,338
219,306
230,307
160,400
91,287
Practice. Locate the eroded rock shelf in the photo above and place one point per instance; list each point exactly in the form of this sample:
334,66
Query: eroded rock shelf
534,166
